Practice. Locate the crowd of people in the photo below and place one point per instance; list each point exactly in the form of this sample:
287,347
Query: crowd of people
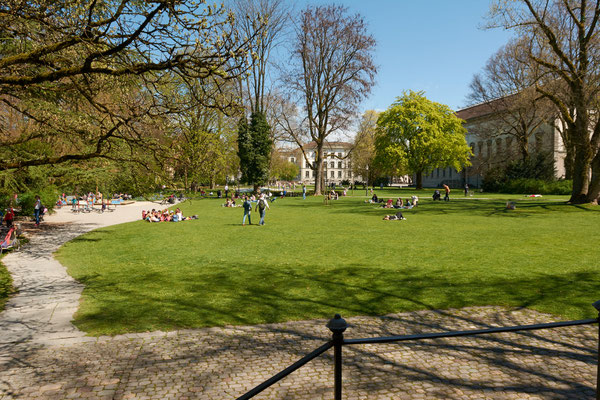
165,216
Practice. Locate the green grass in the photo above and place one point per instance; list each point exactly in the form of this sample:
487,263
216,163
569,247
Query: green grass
311,261
6,287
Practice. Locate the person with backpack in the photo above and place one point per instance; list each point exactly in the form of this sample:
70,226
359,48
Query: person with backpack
262,206
247,205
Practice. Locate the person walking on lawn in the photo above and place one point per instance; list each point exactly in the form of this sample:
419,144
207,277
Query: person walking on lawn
262,206
247,205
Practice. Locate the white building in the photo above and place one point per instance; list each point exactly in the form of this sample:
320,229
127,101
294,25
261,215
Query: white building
337,166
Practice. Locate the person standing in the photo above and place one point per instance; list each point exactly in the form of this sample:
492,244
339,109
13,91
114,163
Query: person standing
303,192
262,206
447,189
466,189
226,191
247,205
37,210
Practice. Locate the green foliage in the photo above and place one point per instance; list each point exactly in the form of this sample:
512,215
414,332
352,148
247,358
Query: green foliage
539,166
222,273
284,170
529,186
417,135
534,174
254,149
6,287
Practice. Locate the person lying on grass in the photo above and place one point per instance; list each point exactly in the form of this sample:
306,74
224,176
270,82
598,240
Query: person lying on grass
397,217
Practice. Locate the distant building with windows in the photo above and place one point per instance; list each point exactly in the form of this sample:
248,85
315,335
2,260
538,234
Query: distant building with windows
337,166
495,149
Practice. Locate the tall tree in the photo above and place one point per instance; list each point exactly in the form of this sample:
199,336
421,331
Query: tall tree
271,18
417,135
506,88
254,149
564,44
332,71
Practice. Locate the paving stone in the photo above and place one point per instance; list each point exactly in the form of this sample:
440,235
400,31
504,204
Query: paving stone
43,356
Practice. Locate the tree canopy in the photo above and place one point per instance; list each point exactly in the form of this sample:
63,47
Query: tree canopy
563,45
83,76
416,135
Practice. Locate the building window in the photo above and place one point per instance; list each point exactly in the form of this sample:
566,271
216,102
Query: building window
349,174
450,172
339,174
480,148
498,146
332,164
292,160
340,155
438,172
313,174
307,174
444,173
333,174
489,148
340,164
307,164
473,149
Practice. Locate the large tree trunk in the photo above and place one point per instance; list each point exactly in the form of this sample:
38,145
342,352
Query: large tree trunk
419,176
582,162
594,189
319,169
569,162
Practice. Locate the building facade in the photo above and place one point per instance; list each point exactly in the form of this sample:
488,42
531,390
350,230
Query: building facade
337,165
493,147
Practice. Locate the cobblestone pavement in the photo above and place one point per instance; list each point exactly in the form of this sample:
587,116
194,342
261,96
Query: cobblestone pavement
42,356
223,363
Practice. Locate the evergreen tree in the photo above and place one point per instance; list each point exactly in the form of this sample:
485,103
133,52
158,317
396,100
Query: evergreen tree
254,149
262,144
245,150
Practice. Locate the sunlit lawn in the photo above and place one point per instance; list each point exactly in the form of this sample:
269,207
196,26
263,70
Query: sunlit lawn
312,260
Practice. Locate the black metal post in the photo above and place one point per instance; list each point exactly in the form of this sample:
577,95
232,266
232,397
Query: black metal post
597,307
337,326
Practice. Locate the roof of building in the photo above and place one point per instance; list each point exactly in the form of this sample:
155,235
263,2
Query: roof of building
484,109
330,145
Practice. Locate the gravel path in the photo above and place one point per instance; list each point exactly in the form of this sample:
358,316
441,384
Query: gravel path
42,356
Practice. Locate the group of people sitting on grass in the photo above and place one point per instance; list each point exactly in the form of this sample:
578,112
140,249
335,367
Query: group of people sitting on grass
408,204
165,216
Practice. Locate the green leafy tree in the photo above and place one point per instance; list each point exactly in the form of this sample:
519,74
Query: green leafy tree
254,149
363,153
417,135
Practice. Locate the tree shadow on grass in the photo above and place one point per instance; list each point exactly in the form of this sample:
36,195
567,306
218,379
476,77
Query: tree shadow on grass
247,294
208,363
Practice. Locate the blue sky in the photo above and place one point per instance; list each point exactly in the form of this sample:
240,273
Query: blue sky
430,45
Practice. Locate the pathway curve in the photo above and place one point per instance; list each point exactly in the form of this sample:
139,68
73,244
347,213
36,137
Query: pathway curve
47,296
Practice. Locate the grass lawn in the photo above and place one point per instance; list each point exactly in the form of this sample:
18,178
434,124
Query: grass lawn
312,260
